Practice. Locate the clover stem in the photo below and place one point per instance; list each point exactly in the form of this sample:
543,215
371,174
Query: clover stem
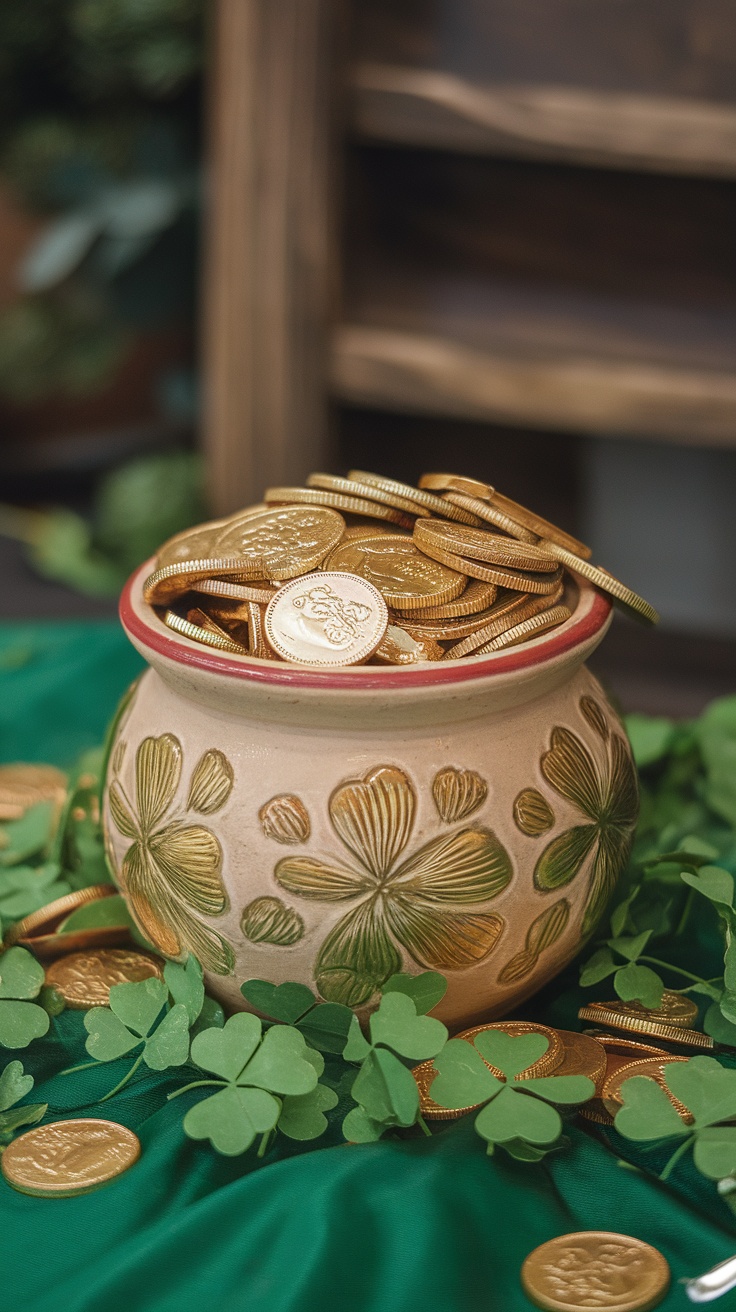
666,965
677,1154
85,1066
263,1144
686,911
423,1125
196,1084
125,1078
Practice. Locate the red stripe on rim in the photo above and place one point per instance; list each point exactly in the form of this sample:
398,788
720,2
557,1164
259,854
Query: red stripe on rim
152,634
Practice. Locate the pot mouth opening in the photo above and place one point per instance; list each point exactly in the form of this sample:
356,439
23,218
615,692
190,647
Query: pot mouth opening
591,611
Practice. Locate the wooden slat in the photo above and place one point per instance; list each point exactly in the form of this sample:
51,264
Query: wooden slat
437,109
431,374
268,273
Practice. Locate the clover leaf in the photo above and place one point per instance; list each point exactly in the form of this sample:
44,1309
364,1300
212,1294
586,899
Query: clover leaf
384,1088
708,1091
28,888
262,1078
425,990
29,835
324,1024
185,985
21,978
518,1115
14,1085
130,1023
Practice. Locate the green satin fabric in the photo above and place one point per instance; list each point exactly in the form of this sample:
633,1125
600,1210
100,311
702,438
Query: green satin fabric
392,1227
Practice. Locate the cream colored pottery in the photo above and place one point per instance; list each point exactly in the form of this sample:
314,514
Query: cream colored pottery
334,827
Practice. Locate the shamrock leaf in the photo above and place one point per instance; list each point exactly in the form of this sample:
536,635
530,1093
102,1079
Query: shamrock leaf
512,1054
324,1024
632,947
720,1029
463,1077
708,1091
646,1111
512,1116
640,984
280,1064
395,1024
225,1052
714,1153
129,1023
386,1090
14,1085
17,1117
108,1038
185,985
28,888
29,835
425,990
21,978
169,1043
21,1023
359,1128
598,967
302,1117
232,1118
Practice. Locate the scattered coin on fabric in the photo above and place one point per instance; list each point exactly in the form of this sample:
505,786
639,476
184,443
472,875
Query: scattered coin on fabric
68,1158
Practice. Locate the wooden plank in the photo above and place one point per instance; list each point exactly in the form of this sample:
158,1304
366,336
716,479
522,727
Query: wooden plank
267,272
437,109
433,374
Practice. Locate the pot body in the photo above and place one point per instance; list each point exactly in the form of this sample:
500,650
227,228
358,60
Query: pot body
335,838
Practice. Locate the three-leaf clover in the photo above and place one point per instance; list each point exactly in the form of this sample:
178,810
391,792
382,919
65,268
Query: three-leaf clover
28,888
518,1115
324,1024
384,1088
708,1091
259,1077
21,978
130,1023
14,1085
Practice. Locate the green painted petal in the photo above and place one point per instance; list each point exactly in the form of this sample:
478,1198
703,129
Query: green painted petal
468,866
232,1118
309,877
169,1043
213,951
446,940
20,1023
157,773
357,956
303,1117
463,1078
572,772
516,1115
268,920
122,818
225,1052
511,1053
613,850
374,817
211,783
622,803
561,859
279,1064
189,858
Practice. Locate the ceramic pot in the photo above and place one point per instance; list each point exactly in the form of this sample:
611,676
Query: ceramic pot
334,827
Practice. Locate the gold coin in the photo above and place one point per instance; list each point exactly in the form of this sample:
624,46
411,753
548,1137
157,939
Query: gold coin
84,979
518,580
328,619
583,1055
426,1072
651,1067
199,618
399,569
475,598
450,630
622,596
399,647
192,544
49,917
491,515
227,591
207,637
172,581
426,500
471,487
284,541
481,544
628,1049
674,1009
519,515
527,629
502,617
23,786
329,483
69,1157
607,1013
595,1269
366,530
286,496
257,645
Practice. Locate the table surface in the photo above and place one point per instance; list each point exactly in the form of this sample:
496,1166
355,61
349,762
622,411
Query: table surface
397,1226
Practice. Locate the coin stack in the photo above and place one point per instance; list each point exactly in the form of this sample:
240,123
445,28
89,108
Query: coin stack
365,569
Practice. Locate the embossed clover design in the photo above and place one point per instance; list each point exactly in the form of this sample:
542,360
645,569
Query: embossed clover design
414,902
170,874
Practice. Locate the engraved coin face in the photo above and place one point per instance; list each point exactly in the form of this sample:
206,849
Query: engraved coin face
326,619
84,979
595,1269
285,540
400,570
69,1157
674,1009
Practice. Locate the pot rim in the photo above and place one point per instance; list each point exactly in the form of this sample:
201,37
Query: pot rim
590,616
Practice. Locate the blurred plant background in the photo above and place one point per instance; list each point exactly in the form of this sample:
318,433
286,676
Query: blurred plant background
100,147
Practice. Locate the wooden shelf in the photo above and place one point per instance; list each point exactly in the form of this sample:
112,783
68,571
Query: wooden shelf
434,341
436,108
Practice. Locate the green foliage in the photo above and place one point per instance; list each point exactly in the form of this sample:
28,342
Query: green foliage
14,1085
708,1091
518,1115
324,1024
130,1022
21,979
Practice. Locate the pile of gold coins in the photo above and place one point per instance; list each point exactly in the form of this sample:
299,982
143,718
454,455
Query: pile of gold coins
350,570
